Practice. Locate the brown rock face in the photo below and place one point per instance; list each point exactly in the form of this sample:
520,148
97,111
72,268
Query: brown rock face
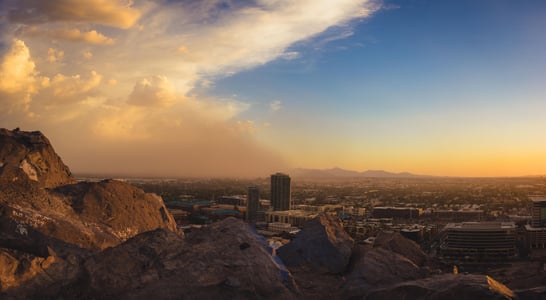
121,209
223,261
32,153
38,195
322,243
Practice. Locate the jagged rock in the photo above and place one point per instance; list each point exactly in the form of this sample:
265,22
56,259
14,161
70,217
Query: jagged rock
88,215
322,243
407,248
209,264
33,154
446,287
123,209
378,267
26,276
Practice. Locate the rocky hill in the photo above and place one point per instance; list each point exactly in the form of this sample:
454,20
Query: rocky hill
39,197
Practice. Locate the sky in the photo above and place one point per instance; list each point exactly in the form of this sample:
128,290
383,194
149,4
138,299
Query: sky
247,88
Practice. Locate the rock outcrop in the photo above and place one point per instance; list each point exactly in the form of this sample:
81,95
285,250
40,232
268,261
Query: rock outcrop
395,242
224,261
33,154
49,224
46,200
446,287
322,243
392,259
379,267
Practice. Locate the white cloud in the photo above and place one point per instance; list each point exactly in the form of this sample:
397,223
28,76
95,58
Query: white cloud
17,70
275,105
290,55
17,78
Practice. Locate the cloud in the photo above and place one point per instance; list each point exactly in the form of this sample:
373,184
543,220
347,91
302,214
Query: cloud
17,78
17,70
73,35
254,35
275,105
153,91
142,104
69,86
106,12
54,55
87,55
290,55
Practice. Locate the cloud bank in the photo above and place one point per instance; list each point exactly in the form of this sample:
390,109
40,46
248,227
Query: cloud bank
114,83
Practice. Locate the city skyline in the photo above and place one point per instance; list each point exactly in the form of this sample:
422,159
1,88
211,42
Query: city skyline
246,88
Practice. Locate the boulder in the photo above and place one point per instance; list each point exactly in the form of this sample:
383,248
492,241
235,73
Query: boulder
445,287
407,248
223,261
322,243
33,154
378,267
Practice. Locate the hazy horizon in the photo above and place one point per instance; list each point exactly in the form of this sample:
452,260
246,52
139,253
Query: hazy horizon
247,88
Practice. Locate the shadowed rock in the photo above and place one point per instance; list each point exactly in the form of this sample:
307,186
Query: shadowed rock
223,261
407,248
322,243
446,287
378,267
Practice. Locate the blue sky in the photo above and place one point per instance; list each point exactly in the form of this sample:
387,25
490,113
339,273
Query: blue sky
469,67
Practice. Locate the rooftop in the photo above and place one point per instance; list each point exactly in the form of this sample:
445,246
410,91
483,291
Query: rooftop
470,226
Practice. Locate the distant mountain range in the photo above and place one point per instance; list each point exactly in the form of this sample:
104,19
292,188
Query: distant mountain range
342,173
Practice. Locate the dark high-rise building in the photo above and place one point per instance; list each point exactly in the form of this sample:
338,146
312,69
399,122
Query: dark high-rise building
252,204
535,233
280,192
539,213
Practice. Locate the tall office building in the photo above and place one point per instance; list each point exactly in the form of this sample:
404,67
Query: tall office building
252,204
539,213
535,233
280,192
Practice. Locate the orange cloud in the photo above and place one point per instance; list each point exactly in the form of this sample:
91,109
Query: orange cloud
106,12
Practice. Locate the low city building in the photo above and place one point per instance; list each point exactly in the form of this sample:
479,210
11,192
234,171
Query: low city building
457,215
292,217
479,241
396,212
